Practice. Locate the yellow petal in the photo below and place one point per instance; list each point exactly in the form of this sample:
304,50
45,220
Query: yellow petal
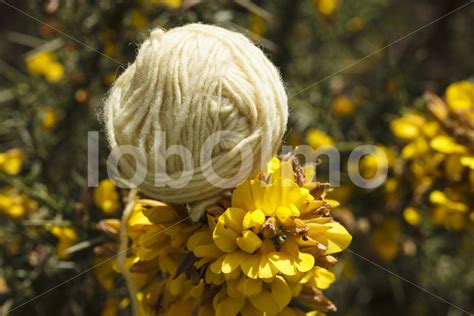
233,218
251,266
336,239
200,237
249,287
323,278
285,171
232,261
230,306
266,269
460,95
228,229
242,197
447,145
249,242
216,266
438,197
333,203
282,262
253,219
317,138
283,213
468,161
407,127
412,216
265,302
281,292
273,165
305,262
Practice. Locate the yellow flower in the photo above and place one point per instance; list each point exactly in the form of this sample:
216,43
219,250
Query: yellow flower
269,238
45,64
269,299
49,118
170,4
138,20
327,7
460,96
15,204
385,239
383,157
11,161
257,24
106,197
407,127
436,157
104,272
439,198
254,255
156,238
67,237
467,161
447,212
54,72
342,106
317,138
321,278
412,216
447,145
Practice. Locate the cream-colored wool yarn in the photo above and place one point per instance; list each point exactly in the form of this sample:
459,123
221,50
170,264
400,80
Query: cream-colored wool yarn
191,82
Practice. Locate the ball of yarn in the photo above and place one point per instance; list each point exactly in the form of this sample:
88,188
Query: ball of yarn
190,83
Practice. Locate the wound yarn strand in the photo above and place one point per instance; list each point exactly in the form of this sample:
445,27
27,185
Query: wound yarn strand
189,83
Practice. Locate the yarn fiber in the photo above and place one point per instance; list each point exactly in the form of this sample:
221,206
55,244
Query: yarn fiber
190,82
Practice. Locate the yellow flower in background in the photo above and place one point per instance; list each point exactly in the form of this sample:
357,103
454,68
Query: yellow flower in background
412,216
447,212
383,157
257,24
317,138
11,161
342,106
44,63
407,127
438,156
104,272
447,145
49,118
15,204
106,197
460,96
327,7
67,237
138,20
385,239
170,4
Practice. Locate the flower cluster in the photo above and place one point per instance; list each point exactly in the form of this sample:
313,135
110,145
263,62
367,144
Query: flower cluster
11,161
45,64
439,157
270,244
14,203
